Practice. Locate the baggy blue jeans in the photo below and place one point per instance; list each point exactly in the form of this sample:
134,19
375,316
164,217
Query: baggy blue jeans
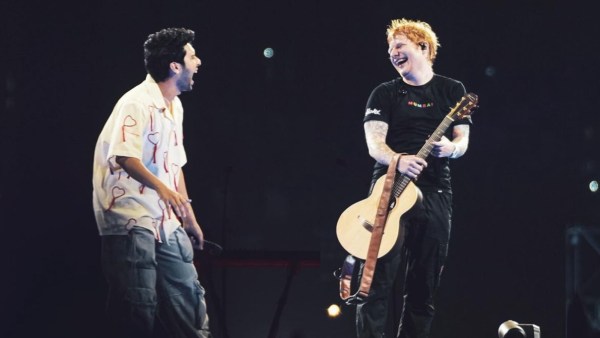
148,280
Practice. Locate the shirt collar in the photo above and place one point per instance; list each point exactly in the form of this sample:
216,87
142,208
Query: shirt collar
155,93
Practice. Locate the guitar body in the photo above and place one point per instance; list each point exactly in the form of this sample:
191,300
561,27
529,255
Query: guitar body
355,223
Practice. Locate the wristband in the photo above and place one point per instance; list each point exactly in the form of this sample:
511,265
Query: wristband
455,151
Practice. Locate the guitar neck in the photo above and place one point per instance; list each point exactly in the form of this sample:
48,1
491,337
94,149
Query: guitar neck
436,136
461,110
403,180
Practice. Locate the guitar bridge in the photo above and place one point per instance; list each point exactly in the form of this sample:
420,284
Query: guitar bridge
367,226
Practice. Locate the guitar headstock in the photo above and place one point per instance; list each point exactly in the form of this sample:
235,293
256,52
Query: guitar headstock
464,107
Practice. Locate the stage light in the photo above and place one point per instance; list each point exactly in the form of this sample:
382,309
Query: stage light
333,311
512,329
268,52
594,186
490,71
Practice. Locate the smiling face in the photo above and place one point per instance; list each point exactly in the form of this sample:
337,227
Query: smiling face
192,62
408,57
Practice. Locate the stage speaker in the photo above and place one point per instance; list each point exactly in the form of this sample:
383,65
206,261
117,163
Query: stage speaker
583,282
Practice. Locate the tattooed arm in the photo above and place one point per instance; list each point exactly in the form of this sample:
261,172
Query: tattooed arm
375,133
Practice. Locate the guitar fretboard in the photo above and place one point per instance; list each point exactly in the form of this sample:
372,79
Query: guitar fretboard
403,180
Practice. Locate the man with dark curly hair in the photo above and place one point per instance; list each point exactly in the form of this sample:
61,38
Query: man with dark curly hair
142,208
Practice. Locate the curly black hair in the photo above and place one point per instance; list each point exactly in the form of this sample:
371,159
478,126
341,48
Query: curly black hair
164,47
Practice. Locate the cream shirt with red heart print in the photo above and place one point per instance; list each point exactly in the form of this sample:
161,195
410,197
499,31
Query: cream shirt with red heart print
140,126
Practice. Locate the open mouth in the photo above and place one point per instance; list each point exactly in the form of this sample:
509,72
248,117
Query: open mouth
397,61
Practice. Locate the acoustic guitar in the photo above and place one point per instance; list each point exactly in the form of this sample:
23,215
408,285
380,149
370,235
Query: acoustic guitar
355,224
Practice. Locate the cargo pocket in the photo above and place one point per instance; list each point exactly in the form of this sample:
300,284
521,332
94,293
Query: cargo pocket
440,261
142,306
201,315
185,246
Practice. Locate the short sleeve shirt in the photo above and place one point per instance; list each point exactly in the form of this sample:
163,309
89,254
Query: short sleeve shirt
140,126
413,113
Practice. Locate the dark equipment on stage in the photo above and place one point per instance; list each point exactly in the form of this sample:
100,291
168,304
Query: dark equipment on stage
512,329
582,280
213,248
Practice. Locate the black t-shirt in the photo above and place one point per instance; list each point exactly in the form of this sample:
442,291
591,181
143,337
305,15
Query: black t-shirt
413,113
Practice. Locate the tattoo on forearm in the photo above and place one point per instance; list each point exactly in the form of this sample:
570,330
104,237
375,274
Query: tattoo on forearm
375,133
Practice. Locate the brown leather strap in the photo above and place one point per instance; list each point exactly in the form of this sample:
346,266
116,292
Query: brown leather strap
378,227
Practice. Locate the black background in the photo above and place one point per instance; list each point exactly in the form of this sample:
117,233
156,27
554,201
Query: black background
276,152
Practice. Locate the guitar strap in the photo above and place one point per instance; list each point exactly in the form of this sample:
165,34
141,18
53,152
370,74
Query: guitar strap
345,277
346,273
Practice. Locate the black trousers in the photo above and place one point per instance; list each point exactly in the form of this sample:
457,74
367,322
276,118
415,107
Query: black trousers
418,258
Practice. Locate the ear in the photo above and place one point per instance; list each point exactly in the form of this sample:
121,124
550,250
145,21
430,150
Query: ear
175,67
